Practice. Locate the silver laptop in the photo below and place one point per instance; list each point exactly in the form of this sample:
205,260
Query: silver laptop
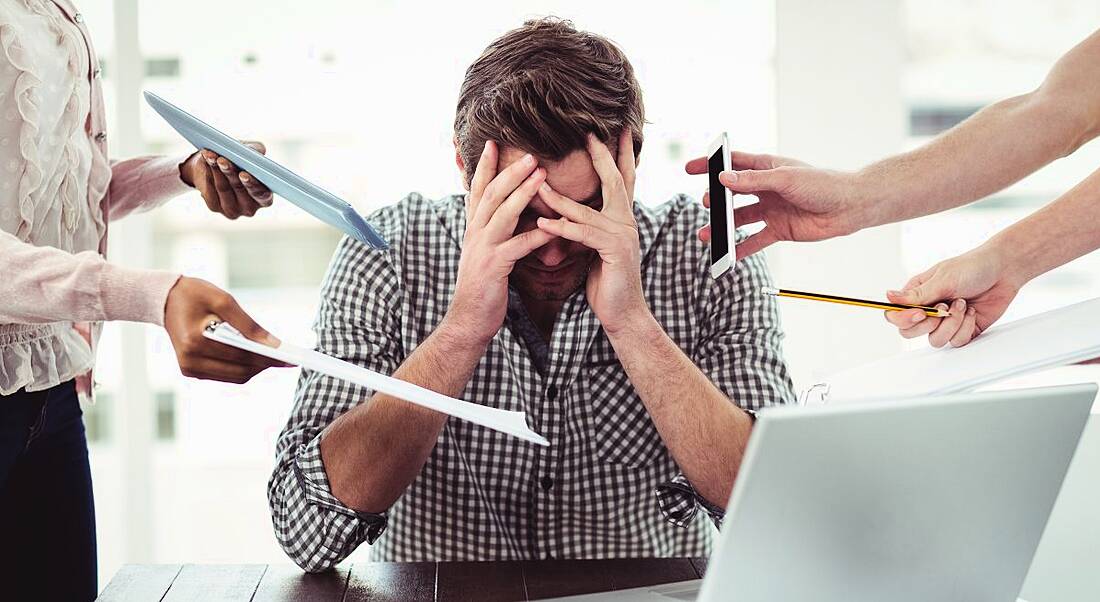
909,501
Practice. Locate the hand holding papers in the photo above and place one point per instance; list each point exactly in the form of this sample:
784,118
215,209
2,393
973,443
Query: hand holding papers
508,422
1062,336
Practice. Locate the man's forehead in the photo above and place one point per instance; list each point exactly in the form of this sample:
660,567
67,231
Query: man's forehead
573,176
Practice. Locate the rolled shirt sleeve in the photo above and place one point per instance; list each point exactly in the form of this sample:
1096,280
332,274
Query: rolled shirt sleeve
741,352
315,529
358,321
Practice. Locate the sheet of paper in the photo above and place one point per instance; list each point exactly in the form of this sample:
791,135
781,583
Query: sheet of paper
1058,337
505,421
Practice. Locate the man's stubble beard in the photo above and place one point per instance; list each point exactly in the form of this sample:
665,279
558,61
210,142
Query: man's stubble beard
538,293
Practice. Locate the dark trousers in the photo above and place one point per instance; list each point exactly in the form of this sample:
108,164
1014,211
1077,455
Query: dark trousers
47,516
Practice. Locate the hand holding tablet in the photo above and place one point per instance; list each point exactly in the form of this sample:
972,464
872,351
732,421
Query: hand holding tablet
313,199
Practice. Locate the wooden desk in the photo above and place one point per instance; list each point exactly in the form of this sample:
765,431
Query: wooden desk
483,581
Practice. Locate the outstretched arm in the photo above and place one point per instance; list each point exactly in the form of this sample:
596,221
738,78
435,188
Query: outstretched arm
996,147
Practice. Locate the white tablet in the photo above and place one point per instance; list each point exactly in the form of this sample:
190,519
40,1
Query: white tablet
313,199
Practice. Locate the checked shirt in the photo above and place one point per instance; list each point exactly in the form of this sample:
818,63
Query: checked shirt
606,487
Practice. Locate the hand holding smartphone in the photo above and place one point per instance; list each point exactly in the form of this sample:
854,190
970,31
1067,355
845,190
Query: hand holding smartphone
722,228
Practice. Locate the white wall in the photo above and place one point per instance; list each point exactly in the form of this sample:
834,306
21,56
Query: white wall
838,104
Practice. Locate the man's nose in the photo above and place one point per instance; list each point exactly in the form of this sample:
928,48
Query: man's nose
552,253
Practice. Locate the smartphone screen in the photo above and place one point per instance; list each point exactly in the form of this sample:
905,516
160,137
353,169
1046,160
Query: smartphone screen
719,242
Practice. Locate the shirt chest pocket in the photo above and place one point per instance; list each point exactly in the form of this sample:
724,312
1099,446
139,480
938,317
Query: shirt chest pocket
618,426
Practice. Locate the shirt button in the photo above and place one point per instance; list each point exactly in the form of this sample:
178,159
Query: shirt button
100,137
551,393
79,18
97,73
546,483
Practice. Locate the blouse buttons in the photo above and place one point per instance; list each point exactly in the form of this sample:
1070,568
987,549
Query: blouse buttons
79,18
100,137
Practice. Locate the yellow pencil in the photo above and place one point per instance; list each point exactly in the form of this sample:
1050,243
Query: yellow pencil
929,311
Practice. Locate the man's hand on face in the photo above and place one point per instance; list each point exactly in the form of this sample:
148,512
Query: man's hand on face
614,286
489,249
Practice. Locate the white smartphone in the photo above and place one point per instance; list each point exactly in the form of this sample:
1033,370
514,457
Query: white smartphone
722,228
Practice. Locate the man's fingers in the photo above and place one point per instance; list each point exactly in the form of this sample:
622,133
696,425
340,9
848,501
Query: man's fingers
704,233
751,181
756,243
626,161
919,279
738,160
968,329
907,318
484,173
922,289
502,187
503,221
576,212
742,160
748,214
615,201
950,325
696,166
522,244
591,237
706,199
922,328
257,145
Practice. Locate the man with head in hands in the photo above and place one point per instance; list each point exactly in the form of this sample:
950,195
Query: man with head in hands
546,289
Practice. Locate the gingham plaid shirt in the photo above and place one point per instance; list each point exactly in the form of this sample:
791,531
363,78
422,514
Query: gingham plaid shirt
606,487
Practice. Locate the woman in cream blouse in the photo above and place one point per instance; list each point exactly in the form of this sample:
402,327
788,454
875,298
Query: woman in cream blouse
58,193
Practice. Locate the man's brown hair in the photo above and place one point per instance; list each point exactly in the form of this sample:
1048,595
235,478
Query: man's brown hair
542,88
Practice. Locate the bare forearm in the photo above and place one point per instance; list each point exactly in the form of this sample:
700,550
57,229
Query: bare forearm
705,433
996,147
374,451
1054,235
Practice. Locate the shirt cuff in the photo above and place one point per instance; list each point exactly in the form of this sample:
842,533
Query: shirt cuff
170,181
134,295
679,502
349,527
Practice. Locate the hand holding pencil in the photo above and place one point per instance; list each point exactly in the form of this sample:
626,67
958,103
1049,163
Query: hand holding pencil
980,286
935,312
975,285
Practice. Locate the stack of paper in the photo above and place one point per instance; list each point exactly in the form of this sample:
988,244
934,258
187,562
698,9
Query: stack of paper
1062,336
505,421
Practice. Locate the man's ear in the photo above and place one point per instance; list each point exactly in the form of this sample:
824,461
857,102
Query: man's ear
461,165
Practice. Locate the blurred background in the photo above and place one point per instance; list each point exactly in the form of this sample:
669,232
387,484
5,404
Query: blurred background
359,97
